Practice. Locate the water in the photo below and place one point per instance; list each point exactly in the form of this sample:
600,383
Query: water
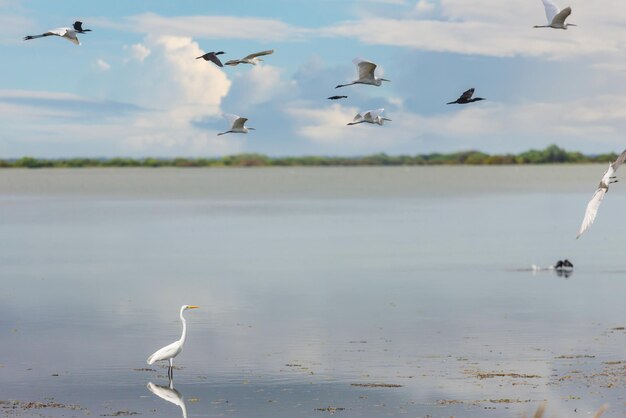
311,281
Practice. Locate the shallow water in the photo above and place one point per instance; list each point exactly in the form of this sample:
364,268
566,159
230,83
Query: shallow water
312,280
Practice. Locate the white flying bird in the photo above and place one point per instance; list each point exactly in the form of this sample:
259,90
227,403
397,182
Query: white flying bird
593,205
366,74
237,125
67,33
172,350
556,17
250,59
370,116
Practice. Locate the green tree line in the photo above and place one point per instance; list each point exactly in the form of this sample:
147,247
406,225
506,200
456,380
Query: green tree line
550,155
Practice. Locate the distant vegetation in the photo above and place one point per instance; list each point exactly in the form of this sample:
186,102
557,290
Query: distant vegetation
550,155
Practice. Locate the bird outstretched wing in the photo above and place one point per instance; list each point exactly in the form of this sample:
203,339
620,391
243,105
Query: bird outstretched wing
375,113
366,68
358,117
259,54
620,160
71,36
551,10
467,95
560,17
210,56
592,210
239,122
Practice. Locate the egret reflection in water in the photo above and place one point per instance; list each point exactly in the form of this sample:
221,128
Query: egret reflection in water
169,394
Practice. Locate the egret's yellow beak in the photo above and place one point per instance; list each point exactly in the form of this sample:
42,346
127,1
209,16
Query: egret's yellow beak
192,307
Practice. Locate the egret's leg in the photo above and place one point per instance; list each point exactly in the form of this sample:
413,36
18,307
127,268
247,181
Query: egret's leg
170,370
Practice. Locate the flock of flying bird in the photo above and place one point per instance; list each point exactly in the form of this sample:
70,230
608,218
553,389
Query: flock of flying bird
366,75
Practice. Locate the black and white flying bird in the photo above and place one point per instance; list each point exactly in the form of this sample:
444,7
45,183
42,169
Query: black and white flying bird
593,205
250,59
212,56
67,33
466,97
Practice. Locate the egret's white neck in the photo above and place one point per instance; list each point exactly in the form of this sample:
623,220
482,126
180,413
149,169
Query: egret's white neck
184,334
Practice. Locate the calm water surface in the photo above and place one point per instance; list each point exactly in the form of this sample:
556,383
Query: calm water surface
312,281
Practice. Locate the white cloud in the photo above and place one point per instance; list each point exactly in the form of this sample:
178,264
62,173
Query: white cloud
590,125
103,65
261,84
424,6
489,27
138,52
172,90
212,27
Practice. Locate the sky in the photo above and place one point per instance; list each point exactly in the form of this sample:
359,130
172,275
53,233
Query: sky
134,88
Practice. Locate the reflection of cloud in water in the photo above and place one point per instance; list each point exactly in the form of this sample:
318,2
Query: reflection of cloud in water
169,394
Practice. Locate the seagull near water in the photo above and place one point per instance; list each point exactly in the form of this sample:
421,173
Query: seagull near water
370,116
237,125
67,33
556,18
593,205
366,74
466,97
250,59
212,56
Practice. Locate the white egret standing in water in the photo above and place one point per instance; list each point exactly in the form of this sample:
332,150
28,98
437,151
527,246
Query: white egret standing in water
170,351
593,205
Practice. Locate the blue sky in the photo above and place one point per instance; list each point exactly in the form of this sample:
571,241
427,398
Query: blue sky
134,88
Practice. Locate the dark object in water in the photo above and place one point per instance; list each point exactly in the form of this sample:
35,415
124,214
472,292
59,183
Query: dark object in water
564,268
563,265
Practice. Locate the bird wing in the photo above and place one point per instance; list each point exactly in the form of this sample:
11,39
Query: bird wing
166,352
366,68
373,114
620,160
238,123
259,54
232,62
592,210
57,32
467,95
213,58
551,10
559,19
358,117
70,35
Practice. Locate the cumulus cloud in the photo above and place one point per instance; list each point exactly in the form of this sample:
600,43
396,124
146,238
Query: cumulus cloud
137,52
170,90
